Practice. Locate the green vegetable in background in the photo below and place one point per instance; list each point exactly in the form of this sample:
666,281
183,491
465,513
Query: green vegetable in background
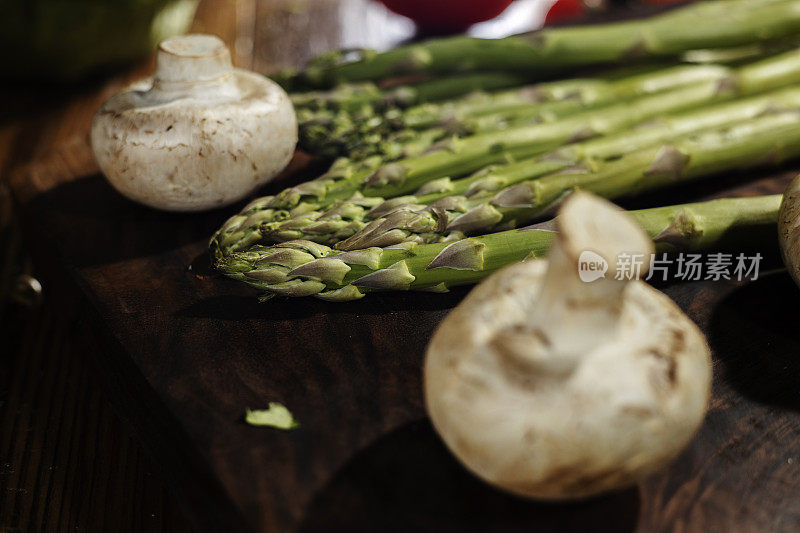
66,40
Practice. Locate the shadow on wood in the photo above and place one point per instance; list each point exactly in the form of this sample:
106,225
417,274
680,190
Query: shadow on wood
121,229
754,331
238,302
408,481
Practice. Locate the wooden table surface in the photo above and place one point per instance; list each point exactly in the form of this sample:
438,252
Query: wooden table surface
185,352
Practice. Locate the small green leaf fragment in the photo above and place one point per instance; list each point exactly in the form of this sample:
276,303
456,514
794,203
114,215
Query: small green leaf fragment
276,416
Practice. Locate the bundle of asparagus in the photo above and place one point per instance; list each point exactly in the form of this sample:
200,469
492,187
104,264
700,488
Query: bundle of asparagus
361,118
296,207
772,138
304,268
733,135
418,179
351,124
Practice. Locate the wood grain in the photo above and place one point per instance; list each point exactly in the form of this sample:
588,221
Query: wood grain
68,463
185,352
66,460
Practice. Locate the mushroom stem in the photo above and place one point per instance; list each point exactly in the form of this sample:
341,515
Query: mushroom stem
581,290
194,65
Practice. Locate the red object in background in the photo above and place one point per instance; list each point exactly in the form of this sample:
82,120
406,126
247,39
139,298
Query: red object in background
567,9
439,16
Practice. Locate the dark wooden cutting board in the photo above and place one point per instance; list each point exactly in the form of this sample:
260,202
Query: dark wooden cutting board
184,352
188,351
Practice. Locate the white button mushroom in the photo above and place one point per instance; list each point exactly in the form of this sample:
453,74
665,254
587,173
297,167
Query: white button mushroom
554,388
199,134
789,229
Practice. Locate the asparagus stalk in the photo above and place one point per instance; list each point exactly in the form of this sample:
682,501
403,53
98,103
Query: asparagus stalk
304,268
461,156
558,99
349,96
354,95
343,219
712,24
335,132
767,139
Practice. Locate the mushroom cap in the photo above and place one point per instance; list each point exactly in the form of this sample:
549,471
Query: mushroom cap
524,409
197,135
789,229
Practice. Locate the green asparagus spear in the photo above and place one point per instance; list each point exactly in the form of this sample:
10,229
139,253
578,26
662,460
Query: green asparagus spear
303,268
354,95
712,24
